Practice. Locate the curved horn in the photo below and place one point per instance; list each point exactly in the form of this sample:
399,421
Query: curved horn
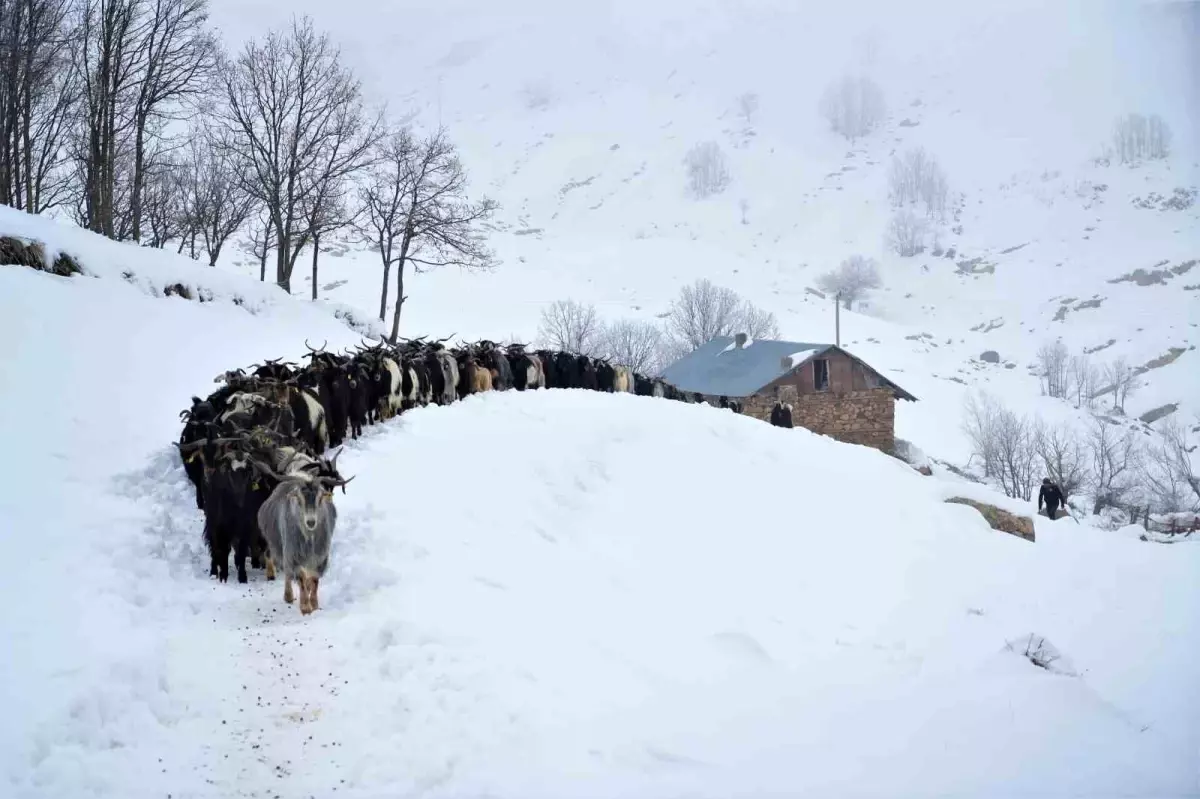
267,470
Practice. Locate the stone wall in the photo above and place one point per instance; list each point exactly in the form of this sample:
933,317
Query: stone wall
857,417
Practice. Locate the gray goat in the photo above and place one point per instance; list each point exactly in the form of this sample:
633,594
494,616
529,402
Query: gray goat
297,521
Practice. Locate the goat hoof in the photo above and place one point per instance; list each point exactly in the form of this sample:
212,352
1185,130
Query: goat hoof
242,578
270,578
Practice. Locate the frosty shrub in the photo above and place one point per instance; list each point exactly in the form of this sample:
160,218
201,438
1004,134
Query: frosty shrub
853,106
1053,362
1114,457
748,106
1169,479
571,327
635,343
1063,456
916,179
703,311
1140,138
907,233
1006,444
1121,380
707,172
852,280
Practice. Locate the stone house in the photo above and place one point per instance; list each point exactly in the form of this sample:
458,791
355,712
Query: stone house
831,391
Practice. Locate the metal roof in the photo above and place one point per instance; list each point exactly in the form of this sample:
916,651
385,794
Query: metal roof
719,368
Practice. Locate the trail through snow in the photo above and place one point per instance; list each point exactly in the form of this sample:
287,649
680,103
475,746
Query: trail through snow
572,594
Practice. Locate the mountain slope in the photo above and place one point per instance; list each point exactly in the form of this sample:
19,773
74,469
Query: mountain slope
577,118
551,593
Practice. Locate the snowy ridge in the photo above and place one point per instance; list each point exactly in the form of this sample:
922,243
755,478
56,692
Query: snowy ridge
161,273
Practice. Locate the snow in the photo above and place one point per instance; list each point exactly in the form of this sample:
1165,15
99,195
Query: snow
544,594
797,358
591,194
564,594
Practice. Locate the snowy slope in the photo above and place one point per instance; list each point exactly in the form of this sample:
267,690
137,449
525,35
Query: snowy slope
545,594
577,116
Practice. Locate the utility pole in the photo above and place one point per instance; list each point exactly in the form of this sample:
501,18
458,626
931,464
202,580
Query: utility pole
837,319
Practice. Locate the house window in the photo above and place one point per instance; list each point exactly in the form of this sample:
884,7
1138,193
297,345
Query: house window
820,375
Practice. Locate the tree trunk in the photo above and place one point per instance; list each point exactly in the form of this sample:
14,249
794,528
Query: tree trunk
400,298
139,178
387,273
262,265
316,255
283,273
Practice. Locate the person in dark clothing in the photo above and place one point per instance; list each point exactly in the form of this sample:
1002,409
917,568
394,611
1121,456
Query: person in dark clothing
785,416
1051,495
777,414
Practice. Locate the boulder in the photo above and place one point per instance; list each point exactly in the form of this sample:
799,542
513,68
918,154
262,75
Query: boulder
997,519
989,356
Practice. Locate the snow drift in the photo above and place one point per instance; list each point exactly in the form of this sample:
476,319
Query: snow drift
545,594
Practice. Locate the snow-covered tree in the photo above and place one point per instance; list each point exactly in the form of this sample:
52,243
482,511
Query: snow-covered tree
907,233
917,180
1141,138
853,106
707,171
851,280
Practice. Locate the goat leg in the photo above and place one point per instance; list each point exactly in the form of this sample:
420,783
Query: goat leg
288,596
239,560
305,595
312,600
270,568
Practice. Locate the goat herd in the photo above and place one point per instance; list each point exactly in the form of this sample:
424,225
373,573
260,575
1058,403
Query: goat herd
254,448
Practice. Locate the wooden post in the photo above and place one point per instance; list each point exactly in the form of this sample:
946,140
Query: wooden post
837,319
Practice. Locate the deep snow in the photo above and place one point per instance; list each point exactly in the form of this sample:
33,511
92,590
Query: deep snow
546,594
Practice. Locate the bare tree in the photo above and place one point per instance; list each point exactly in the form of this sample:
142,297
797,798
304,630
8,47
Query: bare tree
415,211
104,60
635,343
37,102
907,233
1084,380
704,311
916,179
1168,470
707,171
260,240
571,327
295,121
1140,138
853,106
1063,456
1122,381
1114,464
174,55
851,281
748,106
756,322
167,190
1053,368
1005,442
220,202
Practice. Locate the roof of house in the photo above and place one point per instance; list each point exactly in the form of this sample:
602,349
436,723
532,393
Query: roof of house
720,368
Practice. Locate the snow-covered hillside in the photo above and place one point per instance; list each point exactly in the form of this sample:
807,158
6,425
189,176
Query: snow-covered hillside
542,594
577,118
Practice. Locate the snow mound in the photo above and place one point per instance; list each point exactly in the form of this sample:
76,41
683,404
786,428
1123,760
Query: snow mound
568,593
161,273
